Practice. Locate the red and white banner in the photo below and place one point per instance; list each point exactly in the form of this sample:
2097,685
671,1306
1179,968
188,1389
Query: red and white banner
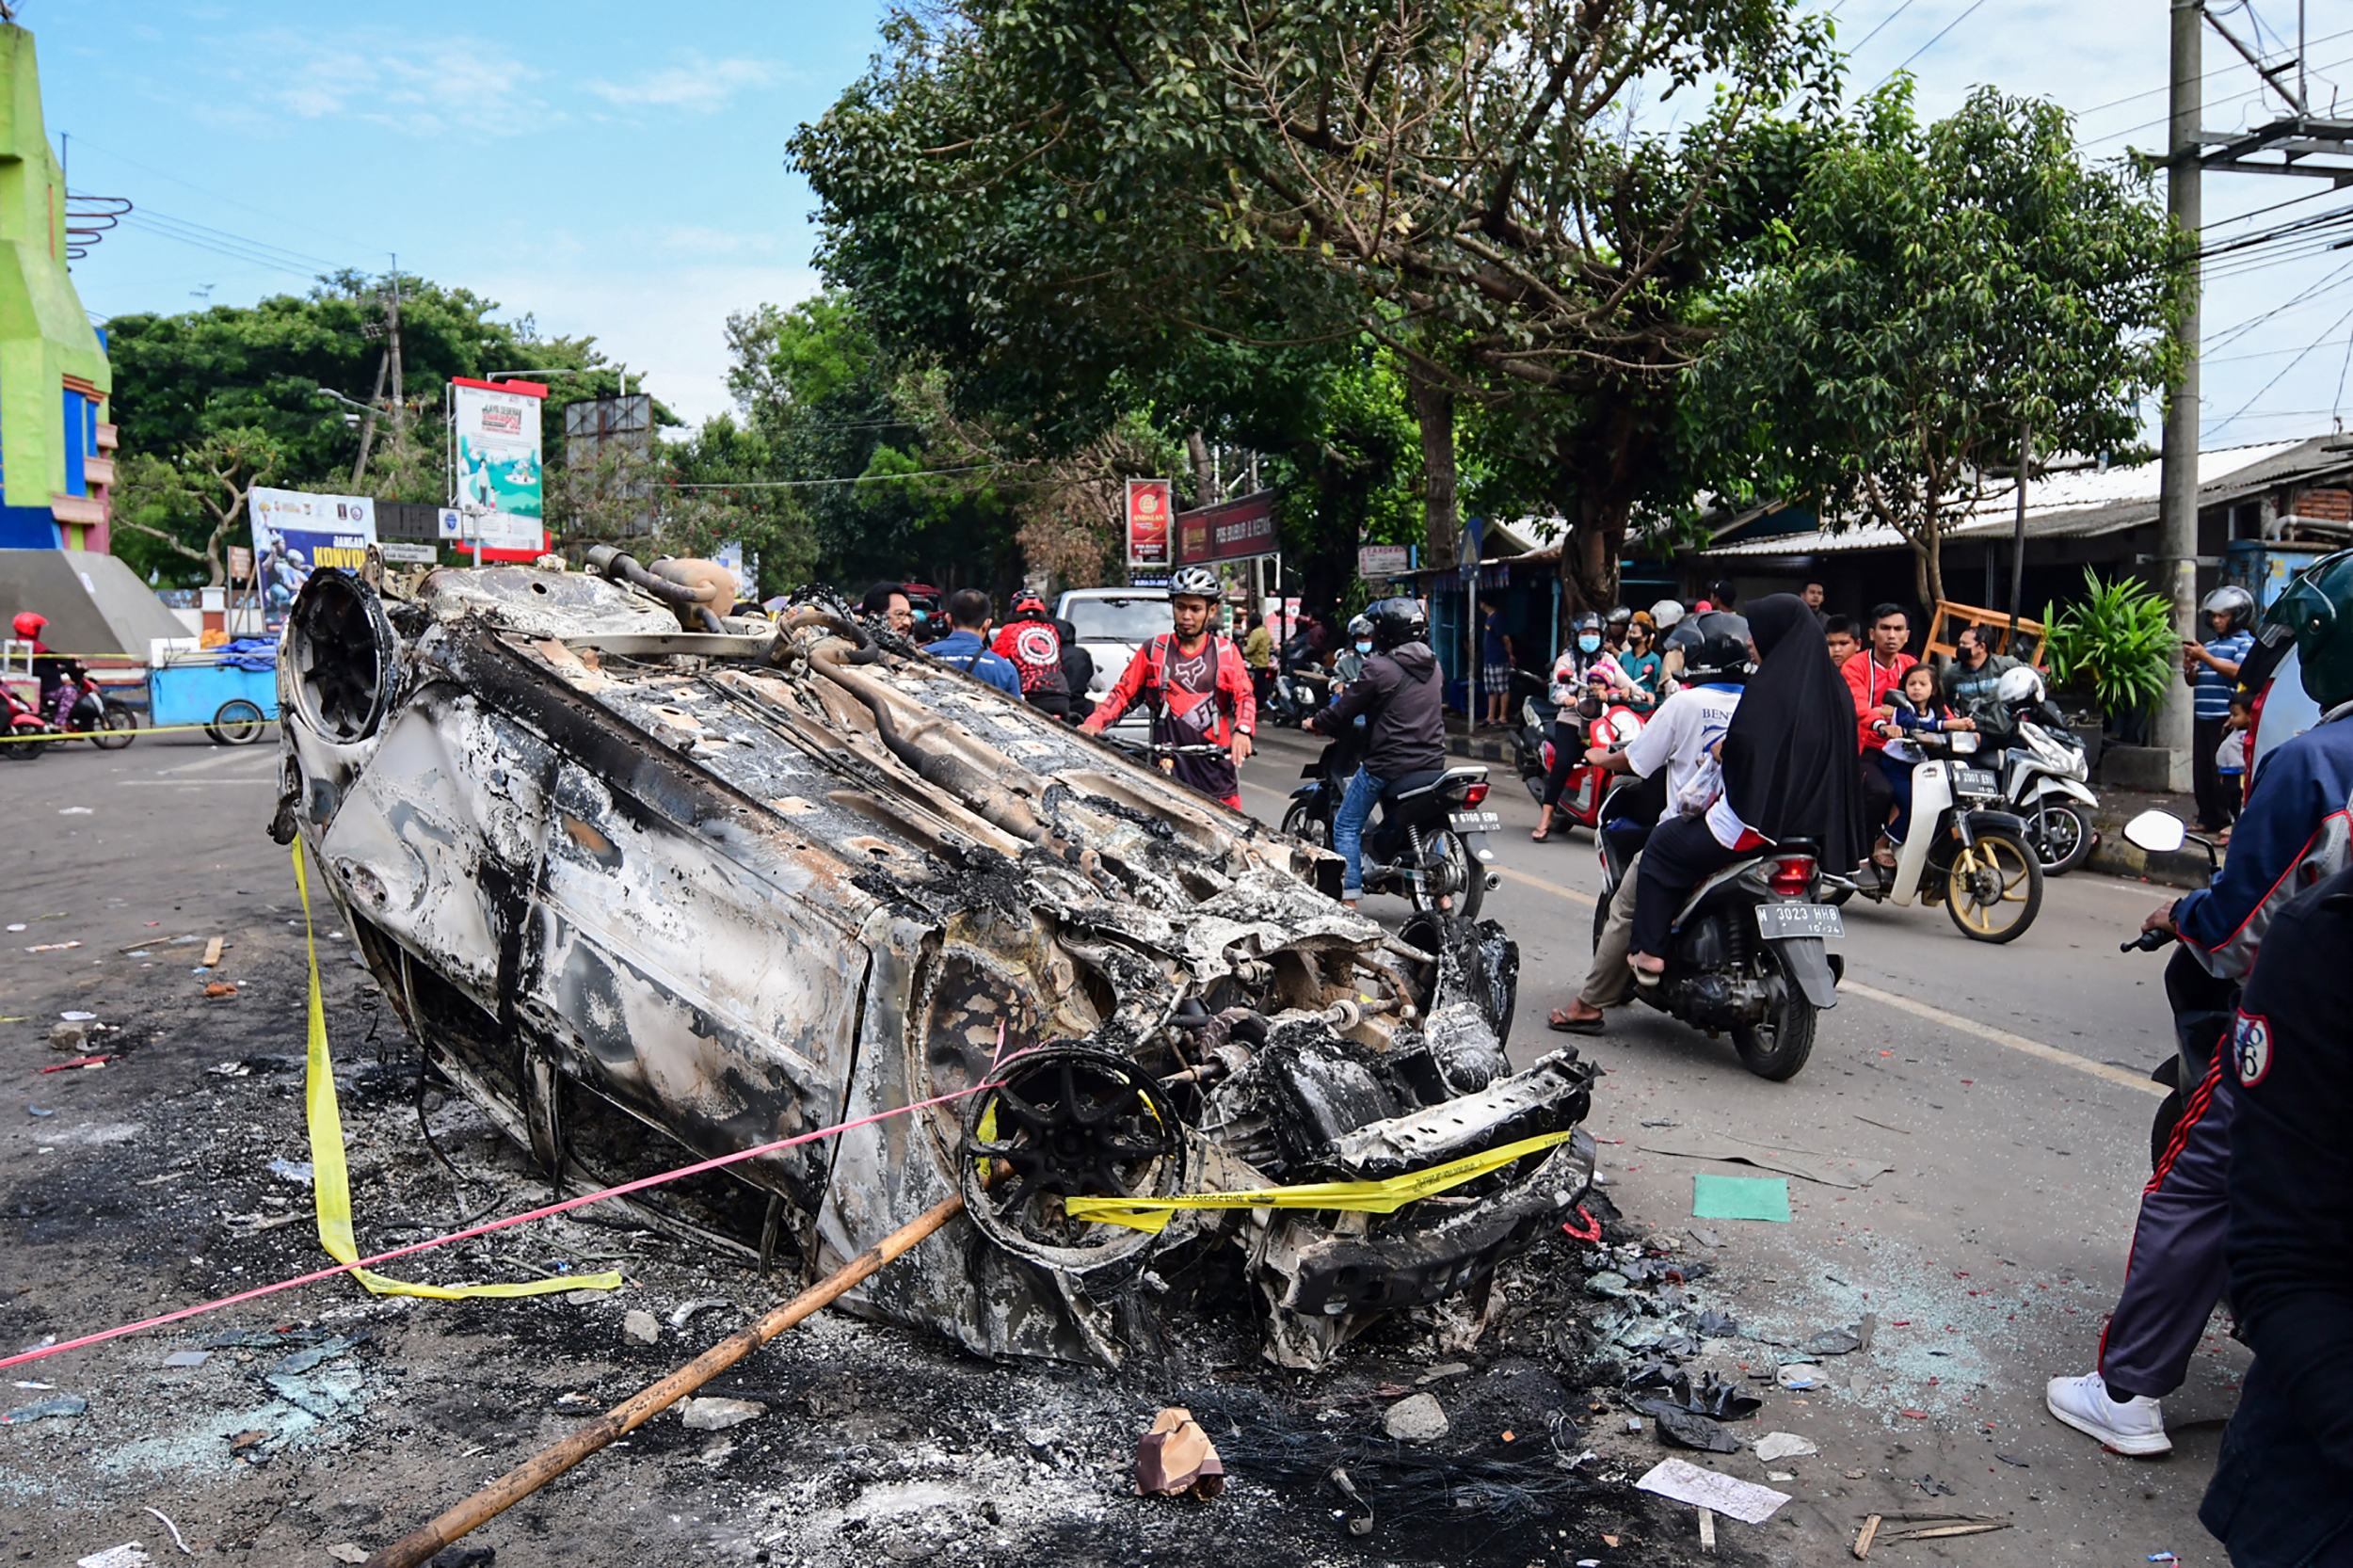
1230,531
1149,503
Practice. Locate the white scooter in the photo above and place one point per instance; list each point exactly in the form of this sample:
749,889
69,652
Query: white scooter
2045,776
1963,853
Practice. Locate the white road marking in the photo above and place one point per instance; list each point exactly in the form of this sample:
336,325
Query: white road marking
193,783
1851,987
233,756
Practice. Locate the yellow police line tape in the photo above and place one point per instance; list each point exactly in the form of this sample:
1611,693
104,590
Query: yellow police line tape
1371,1197
61,736
331,1179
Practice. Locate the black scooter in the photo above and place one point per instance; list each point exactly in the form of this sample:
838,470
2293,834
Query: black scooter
1427,840
1746,954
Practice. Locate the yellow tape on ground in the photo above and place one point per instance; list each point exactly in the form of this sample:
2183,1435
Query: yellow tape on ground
1371,1197
330,1178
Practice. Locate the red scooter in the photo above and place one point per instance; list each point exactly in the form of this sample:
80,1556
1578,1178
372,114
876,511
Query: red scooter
88,714
1602,720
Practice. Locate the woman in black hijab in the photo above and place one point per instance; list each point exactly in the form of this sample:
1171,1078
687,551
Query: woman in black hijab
1790,771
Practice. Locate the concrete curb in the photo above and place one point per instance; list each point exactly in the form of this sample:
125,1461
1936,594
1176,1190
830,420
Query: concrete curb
2113,854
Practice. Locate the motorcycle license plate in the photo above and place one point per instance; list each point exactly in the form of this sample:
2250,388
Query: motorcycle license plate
1799,920
1978,781
1475,822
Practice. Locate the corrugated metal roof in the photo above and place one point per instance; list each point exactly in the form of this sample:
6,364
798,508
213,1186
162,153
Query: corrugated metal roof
2083,503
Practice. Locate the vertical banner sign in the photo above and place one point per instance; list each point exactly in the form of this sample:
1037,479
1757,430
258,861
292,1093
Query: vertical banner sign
1149,511
494,459
296,534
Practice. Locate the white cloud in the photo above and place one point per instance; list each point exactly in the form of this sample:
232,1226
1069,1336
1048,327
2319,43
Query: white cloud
700,83
418,87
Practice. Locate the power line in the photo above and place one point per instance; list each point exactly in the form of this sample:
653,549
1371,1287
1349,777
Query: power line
1934,41
2217,71
2289,366
1883,22
218,196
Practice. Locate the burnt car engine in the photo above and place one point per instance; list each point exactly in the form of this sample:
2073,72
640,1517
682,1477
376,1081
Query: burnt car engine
648,893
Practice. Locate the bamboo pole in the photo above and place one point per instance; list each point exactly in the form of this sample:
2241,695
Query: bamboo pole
641,1407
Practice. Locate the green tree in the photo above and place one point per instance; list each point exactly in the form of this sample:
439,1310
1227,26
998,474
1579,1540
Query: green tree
175,517
1934,293
1057,197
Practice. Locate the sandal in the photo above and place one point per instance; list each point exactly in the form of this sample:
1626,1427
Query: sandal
1566,1024
1646,979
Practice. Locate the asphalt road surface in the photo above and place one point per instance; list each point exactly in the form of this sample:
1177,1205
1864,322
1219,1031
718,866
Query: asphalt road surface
1981,1109
1993,1102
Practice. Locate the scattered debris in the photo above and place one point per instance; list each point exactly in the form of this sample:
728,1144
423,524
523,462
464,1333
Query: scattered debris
1707,1530
1177,1457
80,1061
715,1415
212,955
186,1550
230,1069
1715,1197
642,1326
1444,1370
37,1110
463,1556
1866,1536
129,1554
303,1360
681,1315
1783,1445
220,988
64,1404
1798,1375
57,947
188,1358
297,1171
347,1551
1680,1480
238,1442
77,1016
71,1038
1415,1418
2016,1462
1705,1238
1358,1524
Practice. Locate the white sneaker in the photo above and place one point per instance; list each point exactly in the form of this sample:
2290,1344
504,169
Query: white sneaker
2135,1426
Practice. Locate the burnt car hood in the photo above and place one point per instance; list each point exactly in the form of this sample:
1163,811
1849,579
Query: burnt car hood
648,894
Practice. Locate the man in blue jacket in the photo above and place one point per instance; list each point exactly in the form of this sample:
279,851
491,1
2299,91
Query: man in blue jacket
2292,834
966,647
2282,1490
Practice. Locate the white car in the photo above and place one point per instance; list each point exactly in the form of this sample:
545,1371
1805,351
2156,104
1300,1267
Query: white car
1111,624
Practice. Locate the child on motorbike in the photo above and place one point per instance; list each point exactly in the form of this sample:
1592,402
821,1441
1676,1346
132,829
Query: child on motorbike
1927,715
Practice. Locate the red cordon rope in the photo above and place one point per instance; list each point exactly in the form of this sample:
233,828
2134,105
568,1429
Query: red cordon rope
581,1202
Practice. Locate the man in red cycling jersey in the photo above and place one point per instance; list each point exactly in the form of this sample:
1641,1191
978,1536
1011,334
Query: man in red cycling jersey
1198,688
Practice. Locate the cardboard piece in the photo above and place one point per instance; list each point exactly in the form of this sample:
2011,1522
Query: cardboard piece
1715,1197
1177,1457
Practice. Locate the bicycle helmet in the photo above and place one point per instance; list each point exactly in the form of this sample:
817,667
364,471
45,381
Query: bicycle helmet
1720,651
28,624
2020,687
1195,581
1029,604
2317,608
2231,600
1665,613
1396,622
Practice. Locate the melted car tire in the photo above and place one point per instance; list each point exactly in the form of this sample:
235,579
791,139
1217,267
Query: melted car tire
1784,1055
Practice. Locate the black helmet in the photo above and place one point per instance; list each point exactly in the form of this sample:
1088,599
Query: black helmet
2318,608
1359,626
1586,622
1396,622
1719,651
2231,600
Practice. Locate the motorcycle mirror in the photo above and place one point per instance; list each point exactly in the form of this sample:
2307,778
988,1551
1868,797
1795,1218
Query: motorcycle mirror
1901,703
2159,832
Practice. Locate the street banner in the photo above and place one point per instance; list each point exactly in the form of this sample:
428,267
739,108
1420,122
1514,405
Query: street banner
1148,508
494,460
410,554
1231,531
296,533
1376,562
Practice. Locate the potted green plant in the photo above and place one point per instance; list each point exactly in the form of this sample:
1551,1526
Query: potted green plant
2116,644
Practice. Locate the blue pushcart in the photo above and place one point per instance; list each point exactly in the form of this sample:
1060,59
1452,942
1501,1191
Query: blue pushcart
232,703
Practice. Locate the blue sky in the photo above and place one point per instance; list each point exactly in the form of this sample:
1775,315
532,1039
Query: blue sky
618,171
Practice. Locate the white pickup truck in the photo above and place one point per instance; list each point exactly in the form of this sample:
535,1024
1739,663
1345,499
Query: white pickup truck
1111,624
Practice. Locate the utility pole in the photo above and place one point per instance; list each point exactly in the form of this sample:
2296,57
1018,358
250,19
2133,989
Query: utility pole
367,423
400,403
2177,503
2018,535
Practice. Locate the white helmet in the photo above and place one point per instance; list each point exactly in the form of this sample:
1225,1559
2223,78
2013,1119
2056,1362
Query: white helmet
2021,686
1665,613
1194,582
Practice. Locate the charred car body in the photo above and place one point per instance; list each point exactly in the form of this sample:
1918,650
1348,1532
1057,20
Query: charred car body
642,890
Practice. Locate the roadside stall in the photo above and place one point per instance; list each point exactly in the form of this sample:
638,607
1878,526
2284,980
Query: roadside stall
231,690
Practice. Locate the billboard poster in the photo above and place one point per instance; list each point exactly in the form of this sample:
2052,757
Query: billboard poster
1148,508
494,460
1230,531
294,533
1375,562
504,535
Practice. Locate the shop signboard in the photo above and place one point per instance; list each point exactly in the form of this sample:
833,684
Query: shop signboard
1231,531
1377,562
1149,502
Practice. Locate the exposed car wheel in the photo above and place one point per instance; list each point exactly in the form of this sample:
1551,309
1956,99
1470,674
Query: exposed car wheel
1777,1049
238,722
2061,835
116,728
1994,888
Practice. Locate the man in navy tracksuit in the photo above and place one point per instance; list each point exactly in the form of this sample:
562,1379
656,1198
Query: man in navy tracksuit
2292,834
2283,1489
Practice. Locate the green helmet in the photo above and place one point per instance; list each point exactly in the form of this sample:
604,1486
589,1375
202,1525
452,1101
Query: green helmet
2318,608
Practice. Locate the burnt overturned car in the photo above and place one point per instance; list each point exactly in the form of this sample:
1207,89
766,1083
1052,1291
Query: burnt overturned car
652,884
